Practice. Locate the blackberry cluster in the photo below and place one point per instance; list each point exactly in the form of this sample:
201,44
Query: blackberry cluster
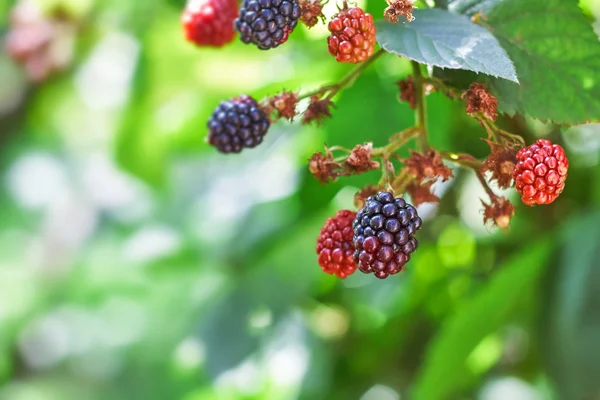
384,234
352,37
335,247
541,172
267,23
209,22
237,123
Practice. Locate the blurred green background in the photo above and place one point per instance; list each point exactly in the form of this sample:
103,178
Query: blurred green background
138,263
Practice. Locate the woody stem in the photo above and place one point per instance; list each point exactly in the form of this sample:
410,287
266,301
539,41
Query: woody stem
332,90
421,106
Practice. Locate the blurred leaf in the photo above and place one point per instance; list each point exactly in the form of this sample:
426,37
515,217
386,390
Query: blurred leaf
224,331
445,369
556,54
574,313
442,114
470,7
138,150
367,111
446,40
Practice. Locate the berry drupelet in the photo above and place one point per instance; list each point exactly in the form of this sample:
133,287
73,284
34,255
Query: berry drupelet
352,37
237,123
209,22
267,23
540,172
335,247
384,234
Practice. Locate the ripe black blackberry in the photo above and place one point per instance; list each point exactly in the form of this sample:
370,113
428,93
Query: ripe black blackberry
237,123
384,234
267,23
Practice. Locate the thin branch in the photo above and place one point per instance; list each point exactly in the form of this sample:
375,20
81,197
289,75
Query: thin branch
396,141
401,181
486,187
439,85
332,90
468,161
421,109
490,126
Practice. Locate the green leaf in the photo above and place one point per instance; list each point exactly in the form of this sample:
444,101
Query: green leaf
470,7
556,54
446,40
445,369
573,319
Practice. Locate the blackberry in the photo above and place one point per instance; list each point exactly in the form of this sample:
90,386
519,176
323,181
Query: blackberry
541,172
335,247
384,234
267,23
237,123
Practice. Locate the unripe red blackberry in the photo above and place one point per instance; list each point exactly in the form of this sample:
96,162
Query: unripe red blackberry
209,22
384,234
335,247
352,37
267,23
540,172
237,123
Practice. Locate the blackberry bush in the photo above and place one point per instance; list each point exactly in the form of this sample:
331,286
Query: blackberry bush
236,124
384,227
384,232
267,23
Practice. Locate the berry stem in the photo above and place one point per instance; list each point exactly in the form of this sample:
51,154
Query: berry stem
421,109
468,161
401,181
317,92
485,185
332,90
396,141
465,160
384,182
441,86
340,148
491,127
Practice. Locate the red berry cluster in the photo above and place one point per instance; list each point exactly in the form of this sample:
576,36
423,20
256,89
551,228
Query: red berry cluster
540,172
352,37
379,239
335,247
209,22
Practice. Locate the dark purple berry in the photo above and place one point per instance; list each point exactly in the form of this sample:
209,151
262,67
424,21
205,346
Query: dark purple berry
389,210
392,225
384,234
372,207
376,222
236,124
267,23
385,237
